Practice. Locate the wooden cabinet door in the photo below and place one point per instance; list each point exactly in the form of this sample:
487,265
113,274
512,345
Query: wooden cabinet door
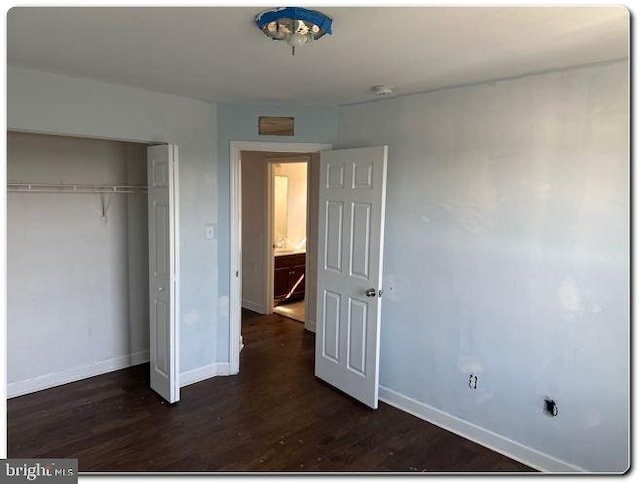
295,274
288,270
280,283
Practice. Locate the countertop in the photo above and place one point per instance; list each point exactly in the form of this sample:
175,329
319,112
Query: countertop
279,252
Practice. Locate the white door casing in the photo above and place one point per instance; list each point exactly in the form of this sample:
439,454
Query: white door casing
162,173
235,231
350,248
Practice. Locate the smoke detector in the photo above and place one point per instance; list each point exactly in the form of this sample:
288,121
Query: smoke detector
382,91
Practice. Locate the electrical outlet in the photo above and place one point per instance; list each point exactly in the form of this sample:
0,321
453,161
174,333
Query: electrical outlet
550,407
473,381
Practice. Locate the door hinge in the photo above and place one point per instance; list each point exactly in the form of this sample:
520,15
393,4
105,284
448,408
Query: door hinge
237,273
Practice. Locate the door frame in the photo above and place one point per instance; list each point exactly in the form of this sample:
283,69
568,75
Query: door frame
235,231
176,220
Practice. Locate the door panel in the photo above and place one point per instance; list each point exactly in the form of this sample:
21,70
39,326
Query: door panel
161,319
351,232
331,326
357,347
333,243
161,240
360,240
162,182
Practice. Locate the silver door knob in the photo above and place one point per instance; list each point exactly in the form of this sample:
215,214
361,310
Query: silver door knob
161,289
371,292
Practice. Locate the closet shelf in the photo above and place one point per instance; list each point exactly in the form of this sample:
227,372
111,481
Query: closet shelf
75,188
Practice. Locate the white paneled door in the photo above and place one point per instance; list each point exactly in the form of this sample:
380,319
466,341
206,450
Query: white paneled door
162,170
350,242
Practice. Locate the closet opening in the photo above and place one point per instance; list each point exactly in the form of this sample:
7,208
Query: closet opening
77,259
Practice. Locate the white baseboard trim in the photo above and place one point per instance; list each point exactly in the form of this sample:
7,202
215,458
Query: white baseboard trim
310,326
194,376
15,389
514,450
254,306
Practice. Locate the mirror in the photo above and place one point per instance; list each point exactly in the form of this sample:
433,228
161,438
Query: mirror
280,208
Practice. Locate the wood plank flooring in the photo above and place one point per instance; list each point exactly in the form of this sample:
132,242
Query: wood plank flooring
293,310
273,416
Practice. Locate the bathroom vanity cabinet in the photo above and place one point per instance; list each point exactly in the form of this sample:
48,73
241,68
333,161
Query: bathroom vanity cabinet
288,268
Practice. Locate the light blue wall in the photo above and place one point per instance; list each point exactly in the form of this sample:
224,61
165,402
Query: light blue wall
507,256
51,103
506,247
239,122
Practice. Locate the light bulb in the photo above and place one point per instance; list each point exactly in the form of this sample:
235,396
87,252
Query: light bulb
279,34
296,40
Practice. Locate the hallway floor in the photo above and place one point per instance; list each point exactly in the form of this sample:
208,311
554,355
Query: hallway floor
293,310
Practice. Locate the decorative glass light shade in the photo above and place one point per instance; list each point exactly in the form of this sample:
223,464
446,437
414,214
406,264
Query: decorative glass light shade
298,26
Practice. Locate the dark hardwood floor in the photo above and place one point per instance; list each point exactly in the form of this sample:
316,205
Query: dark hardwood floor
273,416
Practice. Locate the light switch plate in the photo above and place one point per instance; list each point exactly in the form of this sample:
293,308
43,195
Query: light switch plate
210,231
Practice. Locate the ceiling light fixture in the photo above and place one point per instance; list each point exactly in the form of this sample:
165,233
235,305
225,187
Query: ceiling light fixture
298,26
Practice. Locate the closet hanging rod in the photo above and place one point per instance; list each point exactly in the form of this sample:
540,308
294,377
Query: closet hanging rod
74,188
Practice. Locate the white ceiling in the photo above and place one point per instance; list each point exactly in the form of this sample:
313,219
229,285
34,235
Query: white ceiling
218,54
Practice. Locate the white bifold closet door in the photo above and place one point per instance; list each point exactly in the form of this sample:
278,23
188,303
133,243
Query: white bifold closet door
162,173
